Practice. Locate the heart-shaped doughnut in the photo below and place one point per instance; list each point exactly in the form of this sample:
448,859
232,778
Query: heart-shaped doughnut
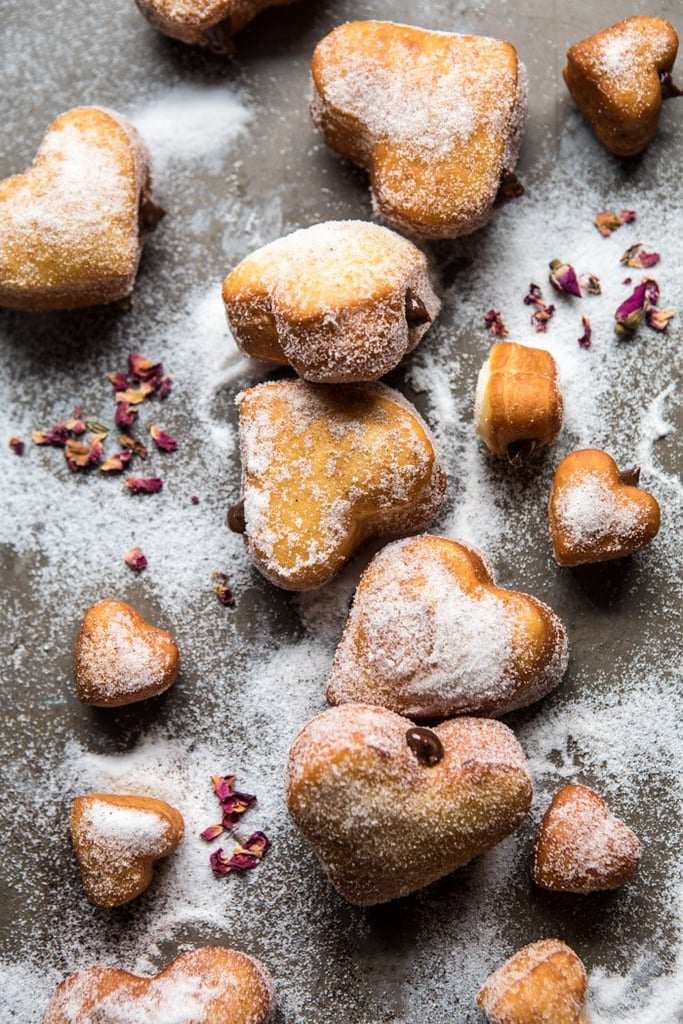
619,77
120,658
436,118
73,225
390,807
581,846
210,985
429,635
596,511
543,983
324,469
117,839
210,23
341,301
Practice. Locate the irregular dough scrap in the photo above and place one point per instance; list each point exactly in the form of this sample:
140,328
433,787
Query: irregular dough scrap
518,404
341,301
117,839
543,983
596,512
210,985
581,846
385,821
210,23
325,469
72,227
436,118
429,635
119,658
618,79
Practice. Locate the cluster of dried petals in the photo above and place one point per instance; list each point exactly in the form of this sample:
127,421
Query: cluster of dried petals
590,283
17,445
82,455
543,311
143,377
642,304
233,805
494,321
635,256
244,857
606,223
222,587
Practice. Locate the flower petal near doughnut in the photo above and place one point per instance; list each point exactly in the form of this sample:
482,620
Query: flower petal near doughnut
429,635
323,470
73,226
340,301
210,23
436,118
390,807
117,839
210,985
543,983
619,78
597,512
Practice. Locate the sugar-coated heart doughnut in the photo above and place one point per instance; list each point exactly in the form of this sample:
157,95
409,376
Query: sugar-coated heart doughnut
518,405
543,983
210,23
619,77
119,658
390,807
73,225
325,469
429,635
340,301
596,511
117,839
581,846
210,985
436,118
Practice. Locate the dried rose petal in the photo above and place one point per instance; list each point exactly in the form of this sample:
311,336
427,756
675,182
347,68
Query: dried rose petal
591,284
125,415
212,832
135,395
135,559
234,806
634,257
630,313
223,590
163,441
140,368
627,216
120,381
585,339
257,844
534,296
658,318
116,463
144,484
223,785
79,455
58,436
77,413
494,320
540,318
243,861
194,499
132,443
606,223
77,426
563,278
17,445
220,864
165,387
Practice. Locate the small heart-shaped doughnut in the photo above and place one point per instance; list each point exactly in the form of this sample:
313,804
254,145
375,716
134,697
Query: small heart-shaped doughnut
341,301
429,635
210,23
436,118
389,807
73,225
596,511
210,985
543,983
324,469
117,839
119,658
619,77
581,847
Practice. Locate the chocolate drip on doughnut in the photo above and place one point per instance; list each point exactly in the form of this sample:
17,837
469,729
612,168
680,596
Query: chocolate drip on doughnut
630,476
416,311
510,188
235,518
426,745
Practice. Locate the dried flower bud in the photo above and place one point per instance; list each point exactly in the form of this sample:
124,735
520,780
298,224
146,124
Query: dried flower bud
563,278
630,313
17,445
135,559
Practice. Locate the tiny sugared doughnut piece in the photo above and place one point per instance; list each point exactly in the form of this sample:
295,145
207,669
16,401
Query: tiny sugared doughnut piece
341,301
324,469
518,405
117,839
389,808
581,847
619,78
430,635
72,227
435,118
119,658
210,23
597,511
210,985
544,983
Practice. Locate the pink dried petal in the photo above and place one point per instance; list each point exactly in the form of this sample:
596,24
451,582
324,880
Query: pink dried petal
635,257
132,443
494,320
77,413
163,441
243,861
77,455
57,436
165,387
135,559
125,415
220,864
534,296
212,832
627,216
75,426
237,803
257,844
140,368
223,786
17,445
658,318
591,284
585,339
223,590
96,451
563,278
135,395
144,484
116,463
194,499
540,318
120,381
631,311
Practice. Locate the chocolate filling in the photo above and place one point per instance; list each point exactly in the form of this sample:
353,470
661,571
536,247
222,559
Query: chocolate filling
219,38
416,311
630,476
426,745
149,214
669,90
235,518
519,452
510,187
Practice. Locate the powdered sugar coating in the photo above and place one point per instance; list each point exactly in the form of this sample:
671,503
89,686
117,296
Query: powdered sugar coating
588,513
543,983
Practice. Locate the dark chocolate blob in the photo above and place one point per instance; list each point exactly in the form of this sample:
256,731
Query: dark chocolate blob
235,518
425,744
416,311
519,452
630,476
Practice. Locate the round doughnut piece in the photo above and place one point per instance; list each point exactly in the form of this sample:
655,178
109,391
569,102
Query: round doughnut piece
340,301
430,635
72,227
619,78
434,117
210,23
323,470
390,807
543,983
210,985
